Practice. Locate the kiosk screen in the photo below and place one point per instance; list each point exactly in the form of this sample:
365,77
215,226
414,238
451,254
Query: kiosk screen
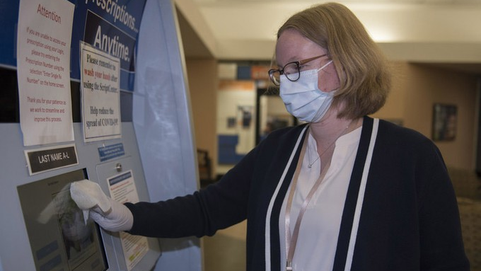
60,237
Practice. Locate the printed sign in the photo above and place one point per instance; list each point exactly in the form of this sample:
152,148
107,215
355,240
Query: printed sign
122,189
43,70
111,152
100,95
111,27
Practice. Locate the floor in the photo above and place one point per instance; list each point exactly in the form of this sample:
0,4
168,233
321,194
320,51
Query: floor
226,249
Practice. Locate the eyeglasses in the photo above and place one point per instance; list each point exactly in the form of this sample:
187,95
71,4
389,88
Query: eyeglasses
291,70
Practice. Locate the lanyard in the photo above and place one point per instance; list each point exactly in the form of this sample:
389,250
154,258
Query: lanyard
291,240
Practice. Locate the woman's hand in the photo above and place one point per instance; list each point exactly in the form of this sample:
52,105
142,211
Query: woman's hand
108,213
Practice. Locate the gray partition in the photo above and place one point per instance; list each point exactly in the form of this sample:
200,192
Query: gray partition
163,124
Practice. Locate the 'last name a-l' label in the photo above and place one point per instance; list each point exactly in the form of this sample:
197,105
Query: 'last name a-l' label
48,159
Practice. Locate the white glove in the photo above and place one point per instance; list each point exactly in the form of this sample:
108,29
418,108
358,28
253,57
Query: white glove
108,213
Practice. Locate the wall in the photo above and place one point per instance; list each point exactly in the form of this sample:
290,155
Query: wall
416,88
235,117
203,84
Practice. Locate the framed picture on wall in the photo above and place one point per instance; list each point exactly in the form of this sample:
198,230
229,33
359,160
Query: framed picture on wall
231,122
444,122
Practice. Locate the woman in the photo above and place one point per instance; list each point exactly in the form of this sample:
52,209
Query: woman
341,192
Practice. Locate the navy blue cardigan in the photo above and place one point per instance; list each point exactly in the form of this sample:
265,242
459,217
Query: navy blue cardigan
409,219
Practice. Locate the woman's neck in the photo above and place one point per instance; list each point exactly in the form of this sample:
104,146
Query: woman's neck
330,128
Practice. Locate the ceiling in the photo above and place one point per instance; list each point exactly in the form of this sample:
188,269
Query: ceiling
444,33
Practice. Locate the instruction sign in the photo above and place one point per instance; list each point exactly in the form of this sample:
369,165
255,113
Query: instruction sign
43,70
111,151
122,189
100,94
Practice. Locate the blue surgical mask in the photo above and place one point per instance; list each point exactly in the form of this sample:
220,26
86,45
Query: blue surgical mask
303,98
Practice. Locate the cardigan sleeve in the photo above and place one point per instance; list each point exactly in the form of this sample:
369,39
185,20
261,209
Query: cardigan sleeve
441,242
218,206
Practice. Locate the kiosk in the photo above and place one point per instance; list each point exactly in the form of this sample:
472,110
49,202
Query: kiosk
91,90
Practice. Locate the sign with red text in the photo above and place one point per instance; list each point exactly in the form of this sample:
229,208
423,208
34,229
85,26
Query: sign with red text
100,85
43,71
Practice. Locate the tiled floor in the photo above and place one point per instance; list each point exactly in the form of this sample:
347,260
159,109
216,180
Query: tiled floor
225,251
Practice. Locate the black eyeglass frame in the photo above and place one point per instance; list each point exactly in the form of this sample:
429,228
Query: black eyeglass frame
298,63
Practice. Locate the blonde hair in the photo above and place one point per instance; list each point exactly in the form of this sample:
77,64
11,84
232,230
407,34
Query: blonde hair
363,71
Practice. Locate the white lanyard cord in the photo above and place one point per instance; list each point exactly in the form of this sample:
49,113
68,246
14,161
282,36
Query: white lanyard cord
291,240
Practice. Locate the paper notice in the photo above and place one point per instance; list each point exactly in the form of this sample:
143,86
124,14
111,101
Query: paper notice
122,189
100,94
43,68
